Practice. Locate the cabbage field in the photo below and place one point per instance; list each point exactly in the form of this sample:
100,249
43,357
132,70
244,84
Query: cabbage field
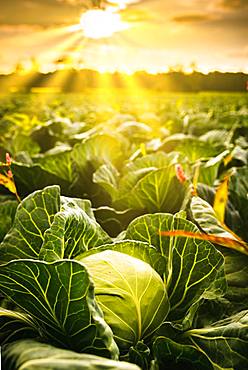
123,231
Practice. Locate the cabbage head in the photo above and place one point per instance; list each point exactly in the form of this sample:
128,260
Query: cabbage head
131,295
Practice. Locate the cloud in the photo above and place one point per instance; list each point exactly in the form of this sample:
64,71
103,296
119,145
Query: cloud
92,3
15,29
233,4
85,3
137,15
190,18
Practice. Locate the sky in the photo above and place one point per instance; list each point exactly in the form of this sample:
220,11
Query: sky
212,34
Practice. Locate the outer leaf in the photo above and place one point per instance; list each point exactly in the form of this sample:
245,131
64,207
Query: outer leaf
216,137
107,176
232,216
71,233
179,356
32,355
206,218
84,204
135,171
196,149
138,131
158,191
16,325
140,355
236,269
236,296
60,164
225,343
127,183
7,213
189,146
238,189
220,346
33,217
209,170
156,160
97,150
192,265
31,177
60,297
114,221
20,142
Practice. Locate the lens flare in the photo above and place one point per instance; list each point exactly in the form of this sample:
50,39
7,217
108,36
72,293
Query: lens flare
99,23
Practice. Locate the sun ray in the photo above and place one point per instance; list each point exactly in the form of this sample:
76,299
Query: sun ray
63,64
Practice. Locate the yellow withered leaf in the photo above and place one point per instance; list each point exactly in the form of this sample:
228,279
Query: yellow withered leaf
237,244
228,159
143,149
221,198
8,183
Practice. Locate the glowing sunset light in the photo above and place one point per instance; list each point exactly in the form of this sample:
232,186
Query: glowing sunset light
97,23
118,35
122,4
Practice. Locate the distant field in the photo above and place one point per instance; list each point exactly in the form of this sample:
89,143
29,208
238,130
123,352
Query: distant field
44,102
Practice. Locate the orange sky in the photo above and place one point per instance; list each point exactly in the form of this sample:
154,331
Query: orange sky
161,33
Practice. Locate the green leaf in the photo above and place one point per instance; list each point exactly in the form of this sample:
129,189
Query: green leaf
97,150
232,217
236,270
20,143
51,227
157,191
156,160
84,204
220,346
191,265
238,190
16,325
148,182
114,221
236,296
131,294
217,137
224,343
107,177
47,135
31,177
60,297
59,164
178,356
205,216
33,217
195,149
140,355
7,213
190,146
71,233
209,170
138,131
32,355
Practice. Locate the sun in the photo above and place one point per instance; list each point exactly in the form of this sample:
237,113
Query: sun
98,23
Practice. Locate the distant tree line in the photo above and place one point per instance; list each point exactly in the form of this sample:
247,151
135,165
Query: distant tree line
79,80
